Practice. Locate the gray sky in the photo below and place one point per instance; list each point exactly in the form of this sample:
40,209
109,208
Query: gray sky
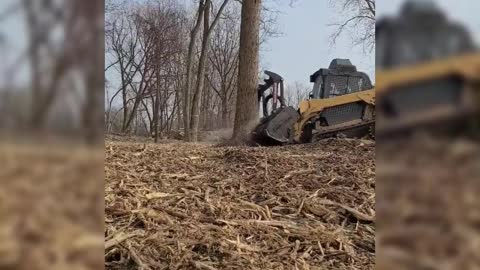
305,46
463,11
12,42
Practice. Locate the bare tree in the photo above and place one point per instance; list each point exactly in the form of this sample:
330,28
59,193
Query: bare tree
42,19
92,52
124,44
191,75
145,43
207,30
296,93
246,113
188,80
223,61
358,20
165,20
64,54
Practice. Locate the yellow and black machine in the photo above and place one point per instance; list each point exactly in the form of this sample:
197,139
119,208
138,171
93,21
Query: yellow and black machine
442,96
439,95
427,78
342,102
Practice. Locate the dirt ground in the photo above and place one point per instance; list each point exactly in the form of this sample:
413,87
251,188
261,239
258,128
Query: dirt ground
198,206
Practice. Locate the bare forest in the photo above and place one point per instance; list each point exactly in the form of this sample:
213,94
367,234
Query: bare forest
172,68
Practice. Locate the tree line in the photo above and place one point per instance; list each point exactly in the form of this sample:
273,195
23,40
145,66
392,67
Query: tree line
174,67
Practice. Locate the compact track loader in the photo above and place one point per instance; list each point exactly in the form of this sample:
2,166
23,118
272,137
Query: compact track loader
342,102
440,96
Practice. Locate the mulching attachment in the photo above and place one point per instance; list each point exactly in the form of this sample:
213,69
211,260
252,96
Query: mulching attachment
192,206
428,204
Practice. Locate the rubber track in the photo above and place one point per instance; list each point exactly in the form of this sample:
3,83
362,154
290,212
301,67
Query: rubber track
333,132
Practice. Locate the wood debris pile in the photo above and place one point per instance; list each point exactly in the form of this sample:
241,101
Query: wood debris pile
428,204
187,206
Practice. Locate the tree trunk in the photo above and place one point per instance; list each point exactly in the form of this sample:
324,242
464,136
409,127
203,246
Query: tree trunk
93,117
246,116
157,106
125,105
152,120
204,105
224,112
195,117
188,79
207,28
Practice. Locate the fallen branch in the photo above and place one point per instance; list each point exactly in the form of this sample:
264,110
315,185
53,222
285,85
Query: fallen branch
159,195
119,238
300,172
136,258
201,265
357,214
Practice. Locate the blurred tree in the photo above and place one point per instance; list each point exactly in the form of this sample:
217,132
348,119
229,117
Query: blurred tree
296,93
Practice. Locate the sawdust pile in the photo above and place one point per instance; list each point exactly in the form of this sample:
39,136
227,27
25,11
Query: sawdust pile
51,207
428,204
185,206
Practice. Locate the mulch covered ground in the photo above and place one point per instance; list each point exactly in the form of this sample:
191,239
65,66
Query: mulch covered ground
198,206
51,206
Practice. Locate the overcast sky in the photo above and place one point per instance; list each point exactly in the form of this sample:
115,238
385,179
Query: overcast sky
304,46
12,40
